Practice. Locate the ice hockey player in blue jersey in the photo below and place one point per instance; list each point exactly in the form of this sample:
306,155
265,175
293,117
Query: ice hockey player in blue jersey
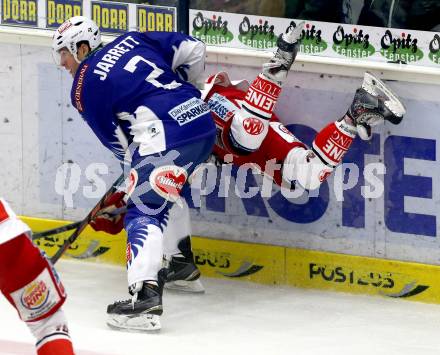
136,95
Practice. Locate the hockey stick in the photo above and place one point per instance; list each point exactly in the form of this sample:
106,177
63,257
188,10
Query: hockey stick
83,224
71,226
58,230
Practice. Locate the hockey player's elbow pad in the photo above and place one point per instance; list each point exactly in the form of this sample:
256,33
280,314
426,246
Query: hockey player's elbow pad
189,60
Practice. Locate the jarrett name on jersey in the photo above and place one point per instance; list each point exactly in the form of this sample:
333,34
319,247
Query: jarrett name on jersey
135,90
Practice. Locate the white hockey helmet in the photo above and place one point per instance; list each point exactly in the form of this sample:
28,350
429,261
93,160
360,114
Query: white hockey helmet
74,30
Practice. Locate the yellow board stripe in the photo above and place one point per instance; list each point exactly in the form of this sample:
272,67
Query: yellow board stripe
90,245
235,260
268,264
358,274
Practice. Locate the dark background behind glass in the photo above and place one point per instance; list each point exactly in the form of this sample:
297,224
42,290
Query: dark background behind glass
409,14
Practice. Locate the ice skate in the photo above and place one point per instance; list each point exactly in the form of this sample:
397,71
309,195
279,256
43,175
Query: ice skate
283,58
373,103
182,273
142,312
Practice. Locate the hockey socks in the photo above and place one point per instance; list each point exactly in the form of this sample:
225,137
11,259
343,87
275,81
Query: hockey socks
53,335
331,143
311,167
56,347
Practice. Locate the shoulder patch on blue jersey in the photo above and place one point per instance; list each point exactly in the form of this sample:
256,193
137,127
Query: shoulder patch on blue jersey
188,111
221,106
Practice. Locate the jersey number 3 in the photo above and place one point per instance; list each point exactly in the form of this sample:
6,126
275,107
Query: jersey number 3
132,65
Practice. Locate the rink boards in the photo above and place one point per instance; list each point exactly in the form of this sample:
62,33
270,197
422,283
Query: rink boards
42,134
54,167
273,265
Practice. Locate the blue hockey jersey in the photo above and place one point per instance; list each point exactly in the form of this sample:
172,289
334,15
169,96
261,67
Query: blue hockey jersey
136,90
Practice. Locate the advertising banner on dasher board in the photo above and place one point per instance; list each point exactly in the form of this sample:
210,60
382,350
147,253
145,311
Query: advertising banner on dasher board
326,39
112,17
272,265
382,202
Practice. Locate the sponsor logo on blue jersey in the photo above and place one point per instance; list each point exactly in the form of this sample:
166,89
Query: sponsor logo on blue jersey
78,89
188,111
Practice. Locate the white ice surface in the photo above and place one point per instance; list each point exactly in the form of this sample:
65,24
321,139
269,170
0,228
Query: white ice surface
233,317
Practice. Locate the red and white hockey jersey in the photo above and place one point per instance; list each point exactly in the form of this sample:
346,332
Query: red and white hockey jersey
224,99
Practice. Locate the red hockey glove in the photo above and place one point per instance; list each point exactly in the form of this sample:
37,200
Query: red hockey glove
107,222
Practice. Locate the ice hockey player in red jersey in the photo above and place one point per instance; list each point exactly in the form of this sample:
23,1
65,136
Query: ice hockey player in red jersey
249,132
30,283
